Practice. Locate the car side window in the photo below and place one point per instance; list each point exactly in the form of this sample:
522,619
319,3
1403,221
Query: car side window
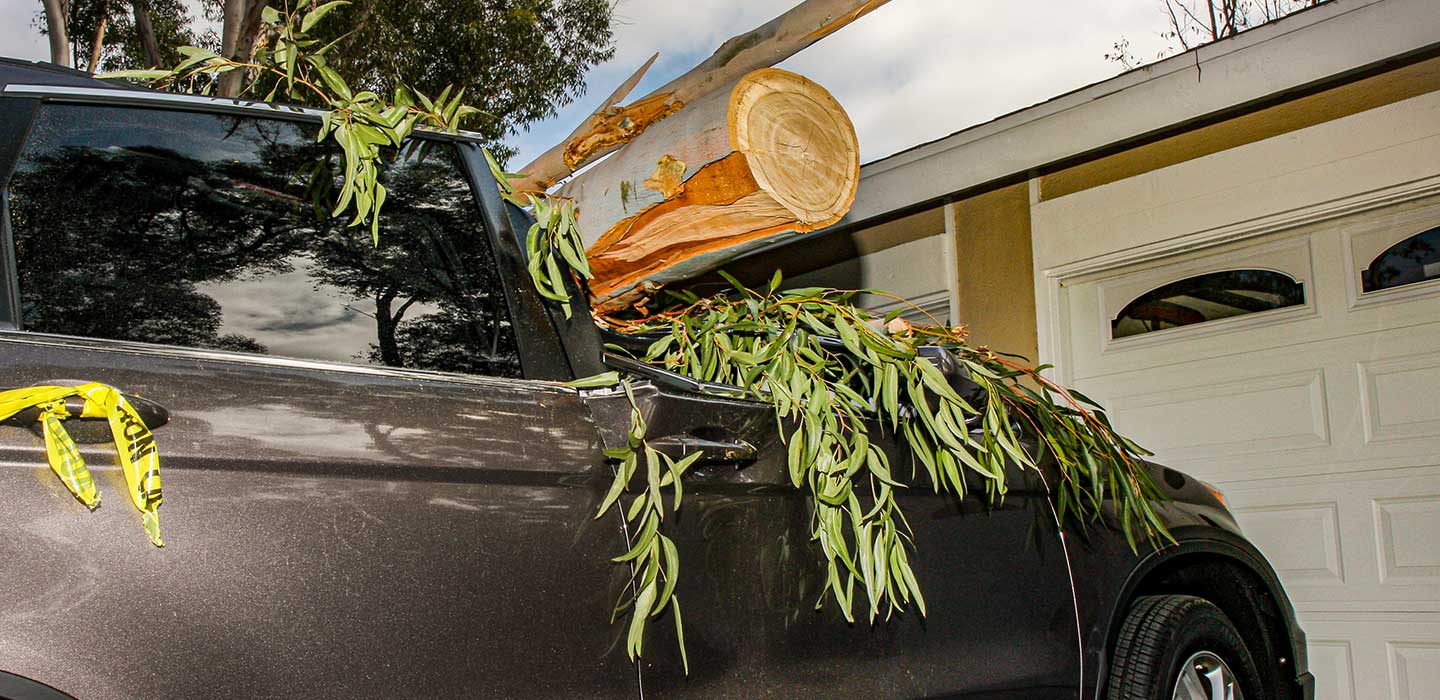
214,231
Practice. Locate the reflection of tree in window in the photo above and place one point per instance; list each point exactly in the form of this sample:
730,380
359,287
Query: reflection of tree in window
200,230
432,255
113,236
1207,297
1413,260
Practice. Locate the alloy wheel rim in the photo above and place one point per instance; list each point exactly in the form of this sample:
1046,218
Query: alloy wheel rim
1206,676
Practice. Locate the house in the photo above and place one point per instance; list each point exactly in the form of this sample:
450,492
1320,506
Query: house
1237,251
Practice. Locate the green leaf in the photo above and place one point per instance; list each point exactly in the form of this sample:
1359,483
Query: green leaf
334,82
802,292
653,461
573,257
637,506
318,14
380,193
642,541
680,634
135,74
891,392
796,457
595,380
617,486
635,639
672,570
292,54
733,282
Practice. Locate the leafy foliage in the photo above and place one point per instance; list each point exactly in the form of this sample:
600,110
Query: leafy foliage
518,60
552,241
839,378
360,122
653,557
123,48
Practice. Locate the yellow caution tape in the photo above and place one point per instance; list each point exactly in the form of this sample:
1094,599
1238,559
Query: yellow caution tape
139,458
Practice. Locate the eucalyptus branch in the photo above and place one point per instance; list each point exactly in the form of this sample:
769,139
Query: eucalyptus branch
360,122
553,247
837,376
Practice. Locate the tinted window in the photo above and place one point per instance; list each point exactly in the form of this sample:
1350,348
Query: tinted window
1413,260
1207,297
213,231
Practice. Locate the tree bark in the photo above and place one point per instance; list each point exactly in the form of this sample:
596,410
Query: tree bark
98,45
771,43
141,10
239,30
772,157
55,29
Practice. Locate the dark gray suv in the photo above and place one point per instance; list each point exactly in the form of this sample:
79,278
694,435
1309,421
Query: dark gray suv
378,485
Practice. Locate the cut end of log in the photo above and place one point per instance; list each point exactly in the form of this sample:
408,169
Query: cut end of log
784,161
799,142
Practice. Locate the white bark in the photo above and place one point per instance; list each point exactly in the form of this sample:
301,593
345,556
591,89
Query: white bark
765,46
56,30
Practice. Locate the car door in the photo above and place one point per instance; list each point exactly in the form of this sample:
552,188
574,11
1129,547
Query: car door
365,496
1001,618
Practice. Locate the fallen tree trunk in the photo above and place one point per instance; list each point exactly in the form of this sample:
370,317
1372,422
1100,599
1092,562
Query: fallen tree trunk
762,47
772,157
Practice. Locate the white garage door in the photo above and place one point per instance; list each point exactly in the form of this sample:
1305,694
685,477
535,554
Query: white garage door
1299,372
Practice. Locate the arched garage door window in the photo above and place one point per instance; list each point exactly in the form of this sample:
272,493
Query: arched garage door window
1208,297
1411,261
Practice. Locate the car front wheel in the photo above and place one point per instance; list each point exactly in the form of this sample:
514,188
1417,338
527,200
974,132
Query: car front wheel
1179,647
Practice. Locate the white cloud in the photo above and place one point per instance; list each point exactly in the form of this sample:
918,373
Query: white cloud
909,72
916,71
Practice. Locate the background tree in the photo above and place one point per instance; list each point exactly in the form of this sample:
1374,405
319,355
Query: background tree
1192,23
54,27
518,60
100,35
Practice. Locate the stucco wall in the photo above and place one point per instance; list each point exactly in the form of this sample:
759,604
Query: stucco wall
995,289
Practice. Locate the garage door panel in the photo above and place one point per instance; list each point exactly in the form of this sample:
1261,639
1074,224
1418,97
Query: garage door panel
1351,404
1346,542
1400,397
1265,333
1383,656
1333,663
1408,536
1302,541
1415,669
1254,414
1330,313
1087,324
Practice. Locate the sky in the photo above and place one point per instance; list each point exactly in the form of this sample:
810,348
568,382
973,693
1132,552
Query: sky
910,72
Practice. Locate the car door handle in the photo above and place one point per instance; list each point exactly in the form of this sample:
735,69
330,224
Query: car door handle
713,451
154,414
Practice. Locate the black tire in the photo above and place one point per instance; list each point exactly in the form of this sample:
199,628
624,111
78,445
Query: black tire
1162,634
